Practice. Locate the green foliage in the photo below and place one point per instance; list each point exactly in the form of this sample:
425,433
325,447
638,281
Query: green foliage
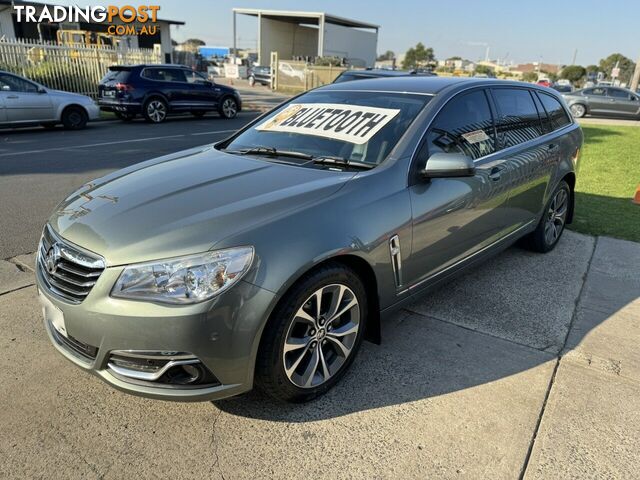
529,77
483,70
328,61
592,69
194,41
626,66
418,57
388,55
573,73
550,75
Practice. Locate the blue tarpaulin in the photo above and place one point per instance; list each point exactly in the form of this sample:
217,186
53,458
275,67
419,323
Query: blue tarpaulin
214,52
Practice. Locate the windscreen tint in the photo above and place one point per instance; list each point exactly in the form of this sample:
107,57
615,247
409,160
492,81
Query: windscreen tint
357,126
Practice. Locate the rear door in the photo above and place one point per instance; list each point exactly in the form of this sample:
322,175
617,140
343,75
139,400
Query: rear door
454,218
172,83
23,101
597,100
623,102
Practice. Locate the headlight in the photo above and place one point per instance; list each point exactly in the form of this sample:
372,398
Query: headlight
184,280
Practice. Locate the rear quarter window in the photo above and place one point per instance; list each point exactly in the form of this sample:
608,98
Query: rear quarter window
556,112
518,119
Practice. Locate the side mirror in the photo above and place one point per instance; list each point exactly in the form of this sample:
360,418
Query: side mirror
445,165
208,83
41,90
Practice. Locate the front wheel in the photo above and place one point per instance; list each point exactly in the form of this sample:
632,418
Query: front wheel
578,110
229,108
74,118
313,335
548,232
155,110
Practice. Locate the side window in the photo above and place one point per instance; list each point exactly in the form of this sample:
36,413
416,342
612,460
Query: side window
465,125
546,121
615,93
599,91
15,84
557,114
518,119
165,74
195,77
175,75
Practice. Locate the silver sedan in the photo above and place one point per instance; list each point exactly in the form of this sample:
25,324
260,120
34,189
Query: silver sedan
24,102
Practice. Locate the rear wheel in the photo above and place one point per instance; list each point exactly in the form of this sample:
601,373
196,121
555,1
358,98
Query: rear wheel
228,108
313,335
155,110
548,232
74,118
578,110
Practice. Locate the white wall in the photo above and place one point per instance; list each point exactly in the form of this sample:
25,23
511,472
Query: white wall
288,39
358,46
6,23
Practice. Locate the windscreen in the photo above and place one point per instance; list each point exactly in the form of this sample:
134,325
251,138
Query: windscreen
119,75
357,126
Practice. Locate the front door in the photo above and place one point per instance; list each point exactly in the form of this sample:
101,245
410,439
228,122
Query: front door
455,217
597,99
24,101
204,94
623,102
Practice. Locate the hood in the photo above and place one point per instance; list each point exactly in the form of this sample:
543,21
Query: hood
69,96
185,203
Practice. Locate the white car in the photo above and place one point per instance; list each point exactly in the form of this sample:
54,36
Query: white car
24,102
288,70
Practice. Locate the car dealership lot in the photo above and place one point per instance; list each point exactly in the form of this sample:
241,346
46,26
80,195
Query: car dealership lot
466,383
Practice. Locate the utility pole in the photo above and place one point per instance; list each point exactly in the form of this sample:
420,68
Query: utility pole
636,77
575,54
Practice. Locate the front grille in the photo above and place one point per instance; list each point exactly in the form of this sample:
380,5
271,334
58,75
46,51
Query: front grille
84,350
69,272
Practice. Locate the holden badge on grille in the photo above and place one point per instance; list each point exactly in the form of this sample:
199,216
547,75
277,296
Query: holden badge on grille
53,255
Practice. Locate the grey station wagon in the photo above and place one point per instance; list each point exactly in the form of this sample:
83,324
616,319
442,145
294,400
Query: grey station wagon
267,258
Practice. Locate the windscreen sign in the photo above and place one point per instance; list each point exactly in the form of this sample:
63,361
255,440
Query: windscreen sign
349,123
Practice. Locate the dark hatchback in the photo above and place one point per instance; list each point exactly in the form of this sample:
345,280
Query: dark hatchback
156,91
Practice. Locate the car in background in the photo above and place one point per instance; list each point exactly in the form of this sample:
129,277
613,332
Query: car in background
261,75
604,100
157,91
562,88
544,82
25,102
349,75
288,70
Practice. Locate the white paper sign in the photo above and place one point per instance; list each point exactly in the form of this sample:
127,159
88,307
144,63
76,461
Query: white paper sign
349,123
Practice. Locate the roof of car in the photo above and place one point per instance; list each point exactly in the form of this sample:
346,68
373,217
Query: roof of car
420,84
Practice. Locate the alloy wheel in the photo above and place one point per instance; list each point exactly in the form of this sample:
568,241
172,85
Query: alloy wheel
75,118
156,111
556,216
321,336
577,110
229,108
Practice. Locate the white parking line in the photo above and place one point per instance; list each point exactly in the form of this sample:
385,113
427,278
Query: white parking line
102,144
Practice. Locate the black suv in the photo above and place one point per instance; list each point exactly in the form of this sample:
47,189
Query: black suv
156,91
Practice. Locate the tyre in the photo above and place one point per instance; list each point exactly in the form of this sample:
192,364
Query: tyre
228,108
578,110
74,118
198,114
155,110
313,335
125,117
252,81
549,230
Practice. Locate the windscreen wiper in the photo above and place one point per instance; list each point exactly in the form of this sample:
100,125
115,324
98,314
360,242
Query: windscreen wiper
342,162
271,152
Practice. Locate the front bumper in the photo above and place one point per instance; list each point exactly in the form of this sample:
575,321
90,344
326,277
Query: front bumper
93,111
223,334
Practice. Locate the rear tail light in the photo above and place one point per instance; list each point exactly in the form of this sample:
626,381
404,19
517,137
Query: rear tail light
124,87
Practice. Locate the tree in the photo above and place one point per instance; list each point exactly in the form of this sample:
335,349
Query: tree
625,64
550,75
388,55
453,59
529,76
573,73
592,69
195,41
418,56
484,70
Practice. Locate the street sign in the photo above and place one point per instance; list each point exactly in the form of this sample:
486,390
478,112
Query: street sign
615,72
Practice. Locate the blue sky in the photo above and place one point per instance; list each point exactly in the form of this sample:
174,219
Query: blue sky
516,30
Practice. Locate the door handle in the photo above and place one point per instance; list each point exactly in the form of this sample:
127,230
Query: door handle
13,96
495,173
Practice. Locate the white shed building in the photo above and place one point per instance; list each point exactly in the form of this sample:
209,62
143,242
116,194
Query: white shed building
310,34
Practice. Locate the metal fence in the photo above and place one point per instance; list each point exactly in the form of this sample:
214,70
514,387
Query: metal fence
295,77
74,68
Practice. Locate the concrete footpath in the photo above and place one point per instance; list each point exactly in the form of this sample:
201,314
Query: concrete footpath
525,367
